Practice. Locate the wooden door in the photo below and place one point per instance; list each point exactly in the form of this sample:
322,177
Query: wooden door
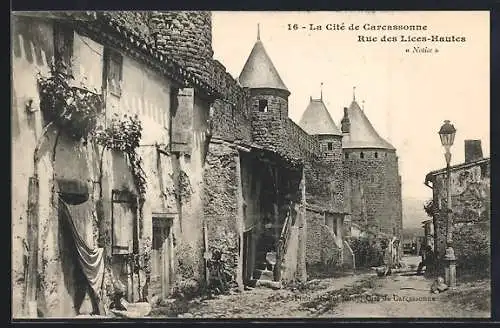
160,258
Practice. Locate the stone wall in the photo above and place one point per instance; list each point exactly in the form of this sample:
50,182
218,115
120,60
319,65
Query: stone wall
322,254
221,198
186,37
136,21
470,191
299,142
373,189
268,127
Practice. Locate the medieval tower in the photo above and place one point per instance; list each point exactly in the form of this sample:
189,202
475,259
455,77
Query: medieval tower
317,122
371,175
268,96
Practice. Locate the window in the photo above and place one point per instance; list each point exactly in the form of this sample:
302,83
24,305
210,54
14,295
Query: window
114,67
346,156
63,41
263,105
124,238
361,155
376,155
330,146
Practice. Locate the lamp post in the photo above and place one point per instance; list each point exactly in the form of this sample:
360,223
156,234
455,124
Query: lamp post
447,135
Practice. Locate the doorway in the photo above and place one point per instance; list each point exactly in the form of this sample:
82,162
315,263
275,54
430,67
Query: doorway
161,258
247,257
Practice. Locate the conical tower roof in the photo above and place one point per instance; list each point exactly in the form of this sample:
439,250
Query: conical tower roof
317,120
362,134
259,70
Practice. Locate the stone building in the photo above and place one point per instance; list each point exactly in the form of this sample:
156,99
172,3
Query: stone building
218,167
470,203
361,170
80,223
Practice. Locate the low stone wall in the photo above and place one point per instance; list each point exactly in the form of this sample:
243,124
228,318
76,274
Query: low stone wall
322,253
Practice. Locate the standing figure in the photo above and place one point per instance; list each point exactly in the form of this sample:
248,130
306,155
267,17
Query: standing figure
427,258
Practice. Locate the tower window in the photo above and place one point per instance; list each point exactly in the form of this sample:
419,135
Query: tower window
263,105
346,155
376,155
330,146
361,155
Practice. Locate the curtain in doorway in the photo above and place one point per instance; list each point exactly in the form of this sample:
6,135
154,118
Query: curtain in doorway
91,260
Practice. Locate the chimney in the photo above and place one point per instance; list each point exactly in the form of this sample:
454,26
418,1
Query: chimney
345,123
473,151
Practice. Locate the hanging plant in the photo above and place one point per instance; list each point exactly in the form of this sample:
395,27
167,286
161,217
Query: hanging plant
124,134
72,109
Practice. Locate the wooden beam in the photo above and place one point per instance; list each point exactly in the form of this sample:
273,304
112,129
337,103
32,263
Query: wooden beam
32,237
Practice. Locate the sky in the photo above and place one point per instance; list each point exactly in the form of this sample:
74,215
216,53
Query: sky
406,95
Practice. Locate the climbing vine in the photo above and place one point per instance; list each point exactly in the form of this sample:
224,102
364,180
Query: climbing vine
72,109
183,189
124,134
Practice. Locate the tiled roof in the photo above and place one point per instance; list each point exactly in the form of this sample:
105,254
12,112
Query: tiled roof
317,120
259,70
432,174
362,134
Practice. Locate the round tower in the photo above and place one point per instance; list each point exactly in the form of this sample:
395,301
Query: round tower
371,174
186,37
317,121
268,96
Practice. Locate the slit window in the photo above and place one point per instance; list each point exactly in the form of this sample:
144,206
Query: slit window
361,155
330,146
346,156
376,155
263,106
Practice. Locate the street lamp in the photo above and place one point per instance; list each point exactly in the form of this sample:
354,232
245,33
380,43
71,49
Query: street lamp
447,135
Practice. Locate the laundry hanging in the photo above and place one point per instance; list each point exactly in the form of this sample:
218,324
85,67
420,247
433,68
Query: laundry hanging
91,260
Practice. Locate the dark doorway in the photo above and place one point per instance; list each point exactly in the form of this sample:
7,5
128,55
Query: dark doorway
247,257
160,258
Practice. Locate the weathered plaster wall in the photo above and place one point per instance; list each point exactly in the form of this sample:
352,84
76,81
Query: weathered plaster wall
58,295
32,50
190,228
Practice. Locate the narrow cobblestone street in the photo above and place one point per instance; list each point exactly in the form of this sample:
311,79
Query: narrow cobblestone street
360,295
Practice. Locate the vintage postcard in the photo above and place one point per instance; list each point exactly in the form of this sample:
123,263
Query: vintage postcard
196,164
